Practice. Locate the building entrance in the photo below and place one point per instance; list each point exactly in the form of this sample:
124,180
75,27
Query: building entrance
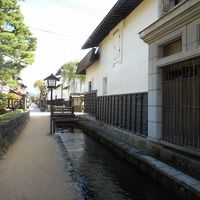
181,103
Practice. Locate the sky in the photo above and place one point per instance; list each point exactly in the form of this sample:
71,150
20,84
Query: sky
61,28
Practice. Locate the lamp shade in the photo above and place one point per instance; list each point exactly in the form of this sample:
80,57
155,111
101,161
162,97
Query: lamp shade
51,81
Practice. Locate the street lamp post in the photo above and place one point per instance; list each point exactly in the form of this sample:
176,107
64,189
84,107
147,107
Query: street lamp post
51,84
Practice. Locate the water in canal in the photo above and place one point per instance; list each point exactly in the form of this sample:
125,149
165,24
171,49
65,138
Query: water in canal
102,175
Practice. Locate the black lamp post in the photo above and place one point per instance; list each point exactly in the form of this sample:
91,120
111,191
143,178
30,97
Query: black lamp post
51,84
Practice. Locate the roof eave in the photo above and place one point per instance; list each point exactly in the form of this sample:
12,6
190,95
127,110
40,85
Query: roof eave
91,57
107,24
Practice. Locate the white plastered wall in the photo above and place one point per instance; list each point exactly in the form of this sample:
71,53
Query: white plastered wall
130,74
92,74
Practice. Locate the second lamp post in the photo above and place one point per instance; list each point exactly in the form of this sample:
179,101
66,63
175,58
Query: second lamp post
51,84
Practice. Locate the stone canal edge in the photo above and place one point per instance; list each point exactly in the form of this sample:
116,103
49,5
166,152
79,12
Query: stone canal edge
175,180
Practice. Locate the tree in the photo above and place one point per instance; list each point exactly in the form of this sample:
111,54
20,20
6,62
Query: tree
3,103
7,74
68,74
16,41
41,86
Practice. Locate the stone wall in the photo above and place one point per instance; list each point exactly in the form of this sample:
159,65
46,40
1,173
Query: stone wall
9,130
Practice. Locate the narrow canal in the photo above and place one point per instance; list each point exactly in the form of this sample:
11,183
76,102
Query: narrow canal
102,175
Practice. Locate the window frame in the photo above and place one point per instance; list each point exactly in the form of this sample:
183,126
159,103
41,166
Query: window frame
160,47
89,86
167,5
116,44
198,34
119,29
165,46
105,85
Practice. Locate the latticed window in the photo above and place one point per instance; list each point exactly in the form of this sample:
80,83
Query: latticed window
181,103
168,4
172,47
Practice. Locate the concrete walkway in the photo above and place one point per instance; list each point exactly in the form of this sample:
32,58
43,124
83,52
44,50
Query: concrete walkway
33,167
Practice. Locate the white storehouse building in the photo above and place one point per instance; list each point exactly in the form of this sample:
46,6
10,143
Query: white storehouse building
143,71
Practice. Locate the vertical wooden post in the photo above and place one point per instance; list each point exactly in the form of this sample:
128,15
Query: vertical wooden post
51,111
24,106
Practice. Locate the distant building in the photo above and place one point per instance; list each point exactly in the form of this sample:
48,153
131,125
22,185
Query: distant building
18,96
68,89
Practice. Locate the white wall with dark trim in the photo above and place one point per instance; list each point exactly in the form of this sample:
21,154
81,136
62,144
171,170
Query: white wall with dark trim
128,73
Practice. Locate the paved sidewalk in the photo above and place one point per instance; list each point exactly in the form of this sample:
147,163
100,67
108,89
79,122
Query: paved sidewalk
33,167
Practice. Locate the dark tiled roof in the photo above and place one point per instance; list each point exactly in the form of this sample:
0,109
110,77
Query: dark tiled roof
89,59
52,77
22,85
15,91
58,86
66,87
119,12
58,73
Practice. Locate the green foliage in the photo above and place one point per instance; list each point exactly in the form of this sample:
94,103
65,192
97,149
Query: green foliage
3,101
33,98
41,86
11,115
81,78
7,73
13,96
68,73
16,41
